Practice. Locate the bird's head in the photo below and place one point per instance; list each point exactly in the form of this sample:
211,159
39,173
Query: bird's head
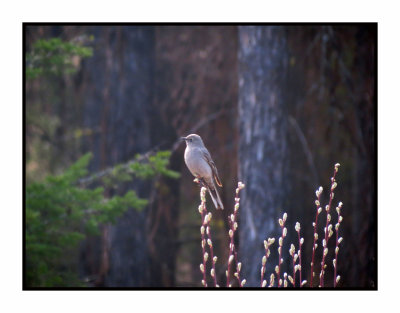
193,140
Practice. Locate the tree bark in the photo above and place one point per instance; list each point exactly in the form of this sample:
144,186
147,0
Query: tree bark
262,142
116,97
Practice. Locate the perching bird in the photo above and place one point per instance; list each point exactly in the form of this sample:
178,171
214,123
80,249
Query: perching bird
200,164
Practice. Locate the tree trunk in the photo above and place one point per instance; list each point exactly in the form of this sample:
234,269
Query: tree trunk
116,91
262,143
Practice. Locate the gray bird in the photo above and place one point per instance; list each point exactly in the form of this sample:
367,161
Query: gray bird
200,164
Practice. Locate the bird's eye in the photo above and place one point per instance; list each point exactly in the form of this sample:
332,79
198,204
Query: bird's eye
190,139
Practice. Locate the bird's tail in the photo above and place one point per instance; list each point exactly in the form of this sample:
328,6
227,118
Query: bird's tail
215,197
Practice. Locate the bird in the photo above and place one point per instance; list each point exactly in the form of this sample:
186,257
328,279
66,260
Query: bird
200,164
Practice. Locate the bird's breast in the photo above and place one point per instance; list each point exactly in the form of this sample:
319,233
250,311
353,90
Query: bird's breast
196,164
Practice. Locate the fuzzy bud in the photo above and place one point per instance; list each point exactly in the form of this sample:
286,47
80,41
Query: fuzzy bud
264,283
230,258
325,251
319,210
239,266
230,233
297,227
301,240
236,206
284,232
205,256
264,260
202,268
284,217
243,282
280,222
241,185
202,230
337,279
277,269
235,226
212,272
340,239
317,203
303,282
280,241
292,249
203,194
215,259
209,242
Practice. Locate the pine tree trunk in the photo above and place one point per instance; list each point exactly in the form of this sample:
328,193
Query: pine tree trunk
262,143
116,91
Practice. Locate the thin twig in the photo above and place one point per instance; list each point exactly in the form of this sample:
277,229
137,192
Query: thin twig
315,245
328,227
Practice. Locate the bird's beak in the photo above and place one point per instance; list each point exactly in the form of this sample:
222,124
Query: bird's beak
183,138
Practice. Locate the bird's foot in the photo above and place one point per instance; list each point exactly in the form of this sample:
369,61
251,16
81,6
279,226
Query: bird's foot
200,181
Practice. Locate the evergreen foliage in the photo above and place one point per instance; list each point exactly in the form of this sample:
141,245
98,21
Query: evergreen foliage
56,57
60,213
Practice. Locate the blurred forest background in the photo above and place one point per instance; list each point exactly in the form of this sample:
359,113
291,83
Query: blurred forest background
109,201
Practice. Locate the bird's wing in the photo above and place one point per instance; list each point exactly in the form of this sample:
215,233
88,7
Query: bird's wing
209,160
